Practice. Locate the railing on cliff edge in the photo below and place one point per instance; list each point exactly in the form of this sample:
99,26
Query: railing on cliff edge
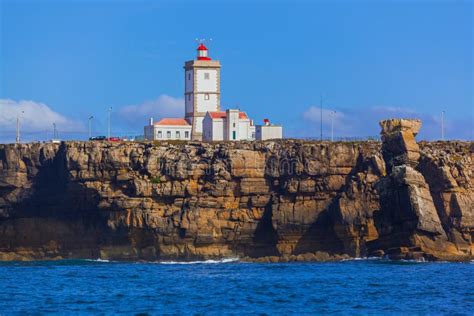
340,139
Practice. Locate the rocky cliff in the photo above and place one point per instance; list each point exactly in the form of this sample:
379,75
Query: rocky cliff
269,201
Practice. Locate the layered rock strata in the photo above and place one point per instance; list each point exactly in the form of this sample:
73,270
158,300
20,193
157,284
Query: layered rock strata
268,201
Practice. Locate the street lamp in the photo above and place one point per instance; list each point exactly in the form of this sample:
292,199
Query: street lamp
18,126
321,107
108,122
442,125
332,125
90,126
321,100
55,132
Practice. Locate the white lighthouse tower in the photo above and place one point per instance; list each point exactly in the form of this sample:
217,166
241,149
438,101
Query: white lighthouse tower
202,89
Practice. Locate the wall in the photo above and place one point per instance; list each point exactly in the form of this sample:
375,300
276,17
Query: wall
173,130
189,80
232,124
213,130
245,131
198,123
189,103
206,85
204,105
264,132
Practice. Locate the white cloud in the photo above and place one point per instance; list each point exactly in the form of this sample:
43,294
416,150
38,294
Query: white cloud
34,117
163,106
313,114
363,122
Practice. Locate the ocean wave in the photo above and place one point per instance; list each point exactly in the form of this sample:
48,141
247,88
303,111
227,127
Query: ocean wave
388,260
98,260
363,259
225,260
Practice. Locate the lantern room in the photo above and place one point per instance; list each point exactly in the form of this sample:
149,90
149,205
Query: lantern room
202,53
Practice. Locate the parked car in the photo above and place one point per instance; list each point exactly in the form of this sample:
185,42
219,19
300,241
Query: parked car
114,139
55,141
98,138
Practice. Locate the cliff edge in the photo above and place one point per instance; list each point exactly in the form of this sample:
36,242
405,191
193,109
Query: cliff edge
266,201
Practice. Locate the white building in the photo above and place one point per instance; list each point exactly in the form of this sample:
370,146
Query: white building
168,129
268,131
204,119
228,125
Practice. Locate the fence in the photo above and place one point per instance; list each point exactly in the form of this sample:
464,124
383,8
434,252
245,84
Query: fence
341,139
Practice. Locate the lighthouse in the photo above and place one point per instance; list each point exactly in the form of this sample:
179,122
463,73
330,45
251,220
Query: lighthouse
202,89
204,120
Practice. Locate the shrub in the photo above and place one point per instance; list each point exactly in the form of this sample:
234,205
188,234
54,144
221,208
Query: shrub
156,180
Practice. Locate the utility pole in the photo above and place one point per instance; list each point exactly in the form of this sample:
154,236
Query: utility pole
55,133
108,122
332,125
18,126
442,125
90,126
321,107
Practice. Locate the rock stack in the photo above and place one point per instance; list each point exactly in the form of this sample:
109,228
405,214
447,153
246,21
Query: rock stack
410,225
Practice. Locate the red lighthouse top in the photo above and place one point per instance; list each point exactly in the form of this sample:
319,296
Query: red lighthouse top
202,52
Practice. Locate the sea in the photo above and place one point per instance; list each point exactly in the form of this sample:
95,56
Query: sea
231,287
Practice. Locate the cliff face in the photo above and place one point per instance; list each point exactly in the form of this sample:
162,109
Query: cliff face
281,200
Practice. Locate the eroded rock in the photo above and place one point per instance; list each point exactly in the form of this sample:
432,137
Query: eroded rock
281,200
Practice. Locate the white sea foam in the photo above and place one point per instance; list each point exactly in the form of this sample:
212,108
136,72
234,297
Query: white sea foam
225,260
98,260
362,259
421,260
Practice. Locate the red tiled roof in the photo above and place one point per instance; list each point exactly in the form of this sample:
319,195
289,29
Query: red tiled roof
222,115
173,121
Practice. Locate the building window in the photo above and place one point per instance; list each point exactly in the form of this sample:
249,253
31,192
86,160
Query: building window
206,75
159,134
234,136
178,134
168,134
206,96
186,134
233,124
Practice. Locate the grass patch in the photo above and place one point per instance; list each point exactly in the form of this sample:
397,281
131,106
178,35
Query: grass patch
156,180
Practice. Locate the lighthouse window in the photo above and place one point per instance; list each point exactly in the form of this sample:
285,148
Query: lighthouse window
189,76
189,97
206,75
206,96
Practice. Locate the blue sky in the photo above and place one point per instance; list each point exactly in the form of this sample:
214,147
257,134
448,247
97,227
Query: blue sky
62,61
